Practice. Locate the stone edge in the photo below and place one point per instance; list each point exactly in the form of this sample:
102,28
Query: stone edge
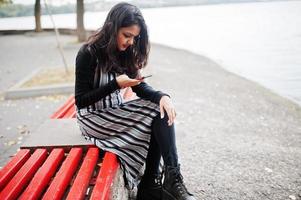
15,92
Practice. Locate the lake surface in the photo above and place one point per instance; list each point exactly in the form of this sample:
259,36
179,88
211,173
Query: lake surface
260,41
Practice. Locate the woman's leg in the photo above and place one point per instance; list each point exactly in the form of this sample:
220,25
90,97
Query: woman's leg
166,140
153,158
150,187
173,185
162,141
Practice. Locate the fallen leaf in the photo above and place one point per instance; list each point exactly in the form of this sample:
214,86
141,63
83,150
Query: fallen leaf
11,142
268,170
21,126
23,129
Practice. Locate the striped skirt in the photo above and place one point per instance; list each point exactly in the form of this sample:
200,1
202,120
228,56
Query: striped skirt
124,130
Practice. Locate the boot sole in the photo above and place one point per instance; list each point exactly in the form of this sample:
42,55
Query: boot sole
147,195
167,196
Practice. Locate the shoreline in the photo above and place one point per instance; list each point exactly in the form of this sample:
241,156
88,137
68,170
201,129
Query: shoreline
251,45
68,31
291,100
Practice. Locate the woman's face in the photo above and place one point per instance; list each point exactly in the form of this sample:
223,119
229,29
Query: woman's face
126,36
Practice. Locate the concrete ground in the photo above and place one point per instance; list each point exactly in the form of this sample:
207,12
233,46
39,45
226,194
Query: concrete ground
235,139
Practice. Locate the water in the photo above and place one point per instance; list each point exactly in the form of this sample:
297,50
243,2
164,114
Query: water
260,41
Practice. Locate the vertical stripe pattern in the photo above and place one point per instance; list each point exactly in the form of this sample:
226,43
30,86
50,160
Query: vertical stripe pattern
121,128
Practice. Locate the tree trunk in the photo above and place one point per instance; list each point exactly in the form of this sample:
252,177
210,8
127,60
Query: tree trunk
37,15
81,32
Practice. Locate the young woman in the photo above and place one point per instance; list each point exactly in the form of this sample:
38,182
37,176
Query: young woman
138,131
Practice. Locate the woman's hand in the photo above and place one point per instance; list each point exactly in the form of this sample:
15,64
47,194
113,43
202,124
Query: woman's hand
167,105
124,81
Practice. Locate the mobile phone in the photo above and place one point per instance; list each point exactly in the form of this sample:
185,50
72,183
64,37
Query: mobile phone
144,77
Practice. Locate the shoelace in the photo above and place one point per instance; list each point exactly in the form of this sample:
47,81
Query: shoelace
178,181
158,179
180,184
153,181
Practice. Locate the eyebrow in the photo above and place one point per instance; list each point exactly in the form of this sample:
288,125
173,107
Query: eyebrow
131,34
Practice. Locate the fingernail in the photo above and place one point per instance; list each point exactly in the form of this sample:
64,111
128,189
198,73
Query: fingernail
161,116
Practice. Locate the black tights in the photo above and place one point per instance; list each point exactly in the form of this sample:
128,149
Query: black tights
163,142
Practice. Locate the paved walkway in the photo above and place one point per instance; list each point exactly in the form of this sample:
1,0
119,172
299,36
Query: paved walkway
236,139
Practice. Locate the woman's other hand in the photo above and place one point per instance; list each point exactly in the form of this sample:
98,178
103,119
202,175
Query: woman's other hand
167,105
124,81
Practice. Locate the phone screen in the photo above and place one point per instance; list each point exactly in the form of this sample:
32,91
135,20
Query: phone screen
144,77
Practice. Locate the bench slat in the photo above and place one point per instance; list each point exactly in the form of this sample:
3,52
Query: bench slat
70,113
12,167
60,113
23,176
82,180
63,177
43,175
101,190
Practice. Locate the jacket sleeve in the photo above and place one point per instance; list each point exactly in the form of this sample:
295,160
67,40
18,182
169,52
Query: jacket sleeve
85,94
145,91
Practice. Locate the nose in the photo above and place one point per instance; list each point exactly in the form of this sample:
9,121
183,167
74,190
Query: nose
131,41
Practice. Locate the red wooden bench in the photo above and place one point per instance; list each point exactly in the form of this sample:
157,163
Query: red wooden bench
68,172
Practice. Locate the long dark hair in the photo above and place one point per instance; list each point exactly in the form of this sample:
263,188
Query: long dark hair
104,41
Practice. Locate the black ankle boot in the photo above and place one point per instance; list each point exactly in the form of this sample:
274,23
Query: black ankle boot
173,185
150,188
